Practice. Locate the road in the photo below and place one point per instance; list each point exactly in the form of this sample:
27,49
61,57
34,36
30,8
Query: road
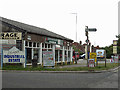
59,80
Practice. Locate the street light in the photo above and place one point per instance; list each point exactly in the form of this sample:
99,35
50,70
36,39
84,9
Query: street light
76,25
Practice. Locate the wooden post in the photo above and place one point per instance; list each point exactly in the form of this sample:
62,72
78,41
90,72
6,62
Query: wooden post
105,58
1,58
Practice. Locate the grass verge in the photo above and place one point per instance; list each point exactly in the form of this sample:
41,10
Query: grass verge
57,68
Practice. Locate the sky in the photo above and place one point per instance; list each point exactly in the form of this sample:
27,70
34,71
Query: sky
55,16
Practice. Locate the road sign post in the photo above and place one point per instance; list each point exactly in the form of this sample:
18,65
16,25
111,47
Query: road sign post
87,41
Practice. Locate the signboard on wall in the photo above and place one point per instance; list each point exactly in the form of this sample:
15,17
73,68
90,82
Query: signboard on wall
13,55
54,41
2,41
48,58
11,35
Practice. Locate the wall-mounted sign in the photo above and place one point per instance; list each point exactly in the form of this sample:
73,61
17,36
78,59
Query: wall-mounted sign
2,41
48,58
57,47
28,37
54,41
11,35
13,55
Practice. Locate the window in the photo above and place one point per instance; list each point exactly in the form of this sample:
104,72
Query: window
30,44
42,45
26,43
45,45
48,45
38,44
34,44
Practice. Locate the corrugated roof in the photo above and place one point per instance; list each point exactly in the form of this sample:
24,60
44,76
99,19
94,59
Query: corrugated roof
33,29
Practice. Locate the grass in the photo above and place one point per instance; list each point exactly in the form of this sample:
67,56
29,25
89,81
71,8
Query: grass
40,68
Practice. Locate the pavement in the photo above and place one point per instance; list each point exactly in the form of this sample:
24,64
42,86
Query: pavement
80,63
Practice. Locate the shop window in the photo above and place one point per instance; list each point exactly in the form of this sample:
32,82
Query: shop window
51,45
48,45
30,44
49,49
26,43
45,45
56,55
34,44
60,55
68,47
42,45
38,44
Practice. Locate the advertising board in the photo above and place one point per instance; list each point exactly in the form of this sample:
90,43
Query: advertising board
91,62
100,53
93,56
48,58
13,55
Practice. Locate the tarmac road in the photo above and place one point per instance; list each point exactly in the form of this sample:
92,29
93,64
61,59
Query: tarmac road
59,80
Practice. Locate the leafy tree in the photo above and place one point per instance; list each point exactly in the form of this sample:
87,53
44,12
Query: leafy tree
109,51
118,44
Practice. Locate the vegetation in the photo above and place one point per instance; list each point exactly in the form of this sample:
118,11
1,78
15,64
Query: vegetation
109,51
57,68
118,44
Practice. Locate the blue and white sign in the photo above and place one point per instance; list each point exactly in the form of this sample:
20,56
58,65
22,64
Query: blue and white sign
13,55
100,53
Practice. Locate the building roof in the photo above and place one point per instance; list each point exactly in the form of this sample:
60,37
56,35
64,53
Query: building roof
34,29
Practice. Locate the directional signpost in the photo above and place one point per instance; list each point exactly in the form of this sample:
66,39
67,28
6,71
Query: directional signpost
86,33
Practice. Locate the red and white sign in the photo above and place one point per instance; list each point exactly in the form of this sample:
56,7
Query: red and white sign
91,62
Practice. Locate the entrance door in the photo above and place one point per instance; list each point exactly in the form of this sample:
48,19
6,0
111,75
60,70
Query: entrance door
29,55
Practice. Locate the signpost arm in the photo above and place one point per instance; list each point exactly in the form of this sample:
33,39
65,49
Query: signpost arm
1,58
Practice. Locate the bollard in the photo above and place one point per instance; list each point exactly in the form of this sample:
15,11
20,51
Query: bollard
70,62
61,63
73,61
55,63
42,64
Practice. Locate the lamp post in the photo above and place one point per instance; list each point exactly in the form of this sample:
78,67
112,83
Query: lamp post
76,25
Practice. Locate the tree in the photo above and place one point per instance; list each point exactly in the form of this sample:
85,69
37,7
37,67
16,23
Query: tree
109,51
118,44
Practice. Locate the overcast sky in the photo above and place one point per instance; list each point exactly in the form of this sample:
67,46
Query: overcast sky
55,15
